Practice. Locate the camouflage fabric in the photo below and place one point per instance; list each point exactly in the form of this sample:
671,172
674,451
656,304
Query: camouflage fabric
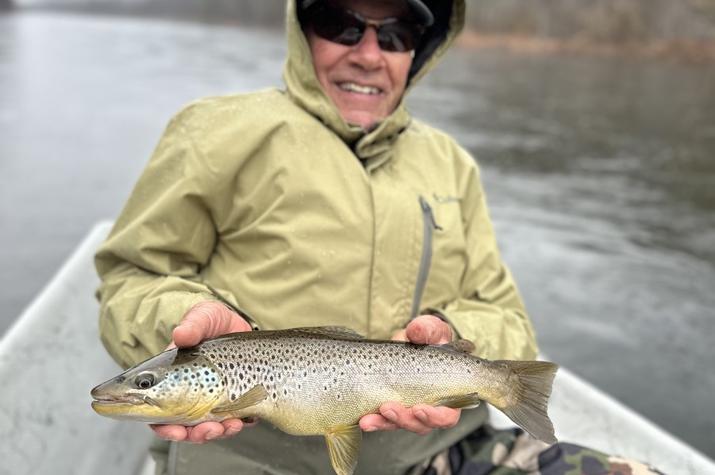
488,451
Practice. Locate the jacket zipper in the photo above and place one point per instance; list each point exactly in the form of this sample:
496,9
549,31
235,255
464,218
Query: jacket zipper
428,226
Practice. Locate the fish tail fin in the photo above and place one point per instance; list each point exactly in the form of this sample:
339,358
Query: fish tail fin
529,398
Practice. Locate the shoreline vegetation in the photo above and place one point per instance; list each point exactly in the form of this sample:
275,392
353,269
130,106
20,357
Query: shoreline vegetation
682,31
680,50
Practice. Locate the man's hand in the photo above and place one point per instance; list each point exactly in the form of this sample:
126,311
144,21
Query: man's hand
204,320
422,418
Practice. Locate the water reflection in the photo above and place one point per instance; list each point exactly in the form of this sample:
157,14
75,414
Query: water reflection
599,174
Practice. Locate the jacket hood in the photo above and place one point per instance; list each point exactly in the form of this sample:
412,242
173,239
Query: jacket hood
305,89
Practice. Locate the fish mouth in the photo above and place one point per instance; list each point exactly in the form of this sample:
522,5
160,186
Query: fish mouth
108,400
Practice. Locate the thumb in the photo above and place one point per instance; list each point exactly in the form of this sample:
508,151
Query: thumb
428,330
207,320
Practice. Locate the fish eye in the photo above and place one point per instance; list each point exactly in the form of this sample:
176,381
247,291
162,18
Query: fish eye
145,381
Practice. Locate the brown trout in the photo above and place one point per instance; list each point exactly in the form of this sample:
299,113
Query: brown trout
320,381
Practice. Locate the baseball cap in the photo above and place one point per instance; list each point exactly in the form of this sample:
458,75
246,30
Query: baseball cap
417,6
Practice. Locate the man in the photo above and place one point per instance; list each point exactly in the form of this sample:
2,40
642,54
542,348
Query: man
324,204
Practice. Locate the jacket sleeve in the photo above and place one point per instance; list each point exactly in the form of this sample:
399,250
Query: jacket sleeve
490,311
149,265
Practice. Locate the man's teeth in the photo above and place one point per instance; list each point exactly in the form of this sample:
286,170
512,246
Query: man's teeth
352,87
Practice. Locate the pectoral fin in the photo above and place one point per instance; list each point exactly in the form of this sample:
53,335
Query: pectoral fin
467,401
344,447
250,398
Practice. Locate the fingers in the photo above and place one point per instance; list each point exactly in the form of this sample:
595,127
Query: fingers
403,418
436,417
205,431
170,432
420,419
428,330
200,433
207,320
375,422
400,335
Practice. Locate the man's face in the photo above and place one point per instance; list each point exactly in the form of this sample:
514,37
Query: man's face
363,81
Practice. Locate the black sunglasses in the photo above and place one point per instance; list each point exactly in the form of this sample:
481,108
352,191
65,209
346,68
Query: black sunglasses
347,28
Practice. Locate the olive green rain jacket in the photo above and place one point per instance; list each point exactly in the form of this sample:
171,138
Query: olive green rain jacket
271,200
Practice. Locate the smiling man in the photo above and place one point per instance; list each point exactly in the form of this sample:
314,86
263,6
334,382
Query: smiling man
363,69
322,204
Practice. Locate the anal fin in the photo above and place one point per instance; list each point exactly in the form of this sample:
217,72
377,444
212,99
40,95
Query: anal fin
250,398
466,401
344,447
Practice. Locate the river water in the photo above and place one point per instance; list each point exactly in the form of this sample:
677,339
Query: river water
600,174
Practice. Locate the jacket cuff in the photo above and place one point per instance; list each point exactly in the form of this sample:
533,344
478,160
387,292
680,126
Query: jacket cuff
233,307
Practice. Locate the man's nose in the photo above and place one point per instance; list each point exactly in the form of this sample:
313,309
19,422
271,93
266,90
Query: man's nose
367,52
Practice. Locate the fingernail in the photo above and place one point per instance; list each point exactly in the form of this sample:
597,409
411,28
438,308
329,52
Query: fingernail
390,414
212,435
421,415
370,429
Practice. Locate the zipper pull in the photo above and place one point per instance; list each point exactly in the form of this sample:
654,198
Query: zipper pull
427,210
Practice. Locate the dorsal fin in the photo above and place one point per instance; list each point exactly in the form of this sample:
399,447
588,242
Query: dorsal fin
460,346
342,333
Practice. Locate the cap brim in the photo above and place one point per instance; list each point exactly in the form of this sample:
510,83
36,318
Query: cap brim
422,11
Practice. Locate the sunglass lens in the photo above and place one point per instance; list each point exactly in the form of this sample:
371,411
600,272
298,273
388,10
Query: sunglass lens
397,37
337,26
